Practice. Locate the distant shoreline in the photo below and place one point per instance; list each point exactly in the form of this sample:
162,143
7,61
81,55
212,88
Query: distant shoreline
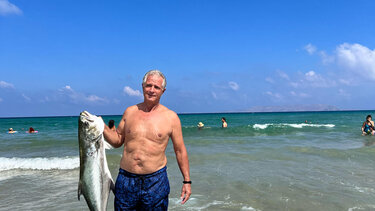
205,113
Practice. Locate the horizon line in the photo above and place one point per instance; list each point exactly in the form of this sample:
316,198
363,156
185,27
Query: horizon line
193,113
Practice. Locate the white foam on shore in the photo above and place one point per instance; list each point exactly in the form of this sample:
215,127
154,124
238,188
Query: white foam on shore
301,125
261,126
197,203
39,163
366,207
245,208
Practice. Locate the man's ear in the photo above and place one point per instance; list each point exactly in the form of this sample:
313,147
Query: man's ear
164,90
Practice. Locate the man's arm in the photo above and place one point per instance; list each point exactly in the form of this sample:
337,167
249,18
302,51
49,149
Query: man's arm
115,138
181,156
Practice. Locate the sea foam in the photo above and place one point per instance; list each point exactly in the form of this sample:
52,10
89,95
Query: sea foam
301,125
39,163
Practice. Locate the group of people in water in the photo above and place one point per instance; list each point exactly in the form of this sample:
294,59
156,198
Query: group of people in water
31,130
368,127
224,123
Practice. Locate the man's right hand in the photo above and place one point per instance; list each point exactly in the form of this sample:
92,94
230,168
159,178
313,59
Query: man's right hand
185,193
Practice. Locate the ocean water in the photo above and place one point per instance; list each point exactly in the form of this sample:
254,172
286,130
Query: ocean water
262,161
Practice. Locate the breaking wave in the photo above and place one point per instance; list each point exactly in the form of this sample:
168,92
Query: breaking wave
39,163
301,125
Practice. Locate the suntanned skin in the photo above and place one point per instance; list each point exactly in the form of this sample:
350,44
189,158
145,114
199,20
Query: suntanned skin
144,130
224,123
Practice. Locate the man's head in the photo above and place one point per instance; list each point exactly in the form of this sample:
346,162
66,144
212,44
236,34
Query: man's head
153,85
368,118
223,119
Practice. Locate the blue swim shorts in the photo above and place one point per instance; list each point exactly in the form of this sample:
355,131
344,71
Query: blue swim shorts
142,191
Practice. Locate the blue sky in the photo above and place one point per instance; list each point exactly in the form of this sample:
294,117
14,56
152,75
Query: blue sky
61,57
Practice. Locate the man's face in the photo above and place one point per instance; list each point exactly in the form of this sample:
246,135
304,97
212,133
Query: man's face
153,89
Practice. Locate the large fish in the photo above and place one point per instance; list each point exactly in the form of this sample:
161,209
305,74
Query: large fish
95,181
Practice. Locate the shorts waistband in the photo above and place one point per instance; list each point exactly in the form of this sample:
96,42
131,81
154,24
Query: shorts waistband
126,173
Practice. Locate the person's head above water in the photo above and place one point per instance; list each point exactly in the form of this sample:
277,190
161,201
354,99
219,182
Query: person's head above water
10,129
368,118
111,123
223,119
31,130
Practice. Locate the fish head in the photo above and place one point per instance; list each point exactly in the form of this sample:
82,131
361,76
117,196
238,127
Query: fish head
91,124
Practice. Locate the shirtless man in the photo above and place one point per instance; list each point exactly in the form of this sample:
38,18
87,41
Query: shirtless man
144,130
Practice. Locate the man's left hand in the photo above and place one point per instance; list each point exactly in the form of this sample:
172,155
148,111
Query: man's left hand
185,193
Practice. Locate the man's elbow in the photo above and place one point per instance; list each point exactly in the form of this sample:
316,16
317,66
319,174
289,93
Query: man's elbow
117,145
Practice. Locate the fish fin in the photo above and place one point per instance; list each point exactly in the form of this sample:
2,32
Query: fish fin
79,191
107,145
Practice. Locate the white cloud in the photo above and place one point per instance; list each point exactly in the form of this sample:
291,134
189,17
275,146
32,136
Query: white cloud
344,93
7,8
326,59
316,80
94,98
283,75
26,97
276,96
356,58
68,88
214,95
310,48
78,97
270,80
116,101
347,82
132,92
294,84
233,85
301,94
4,84
312,79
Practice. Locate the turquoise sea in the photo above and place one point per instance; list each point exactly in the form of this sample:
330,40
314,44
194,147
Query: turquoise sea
262,161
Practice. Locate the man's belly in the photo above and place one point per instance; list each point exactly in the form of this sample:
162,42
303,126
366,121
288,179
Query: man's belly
142,165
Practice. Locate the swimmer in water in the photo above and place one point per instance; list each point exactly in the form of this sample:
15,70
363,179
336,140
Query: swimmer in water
11,130
200,125
368,126
31,130
224,123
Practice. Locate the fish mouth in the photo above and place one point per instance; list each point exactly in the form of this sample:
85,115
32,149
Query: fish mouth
85,116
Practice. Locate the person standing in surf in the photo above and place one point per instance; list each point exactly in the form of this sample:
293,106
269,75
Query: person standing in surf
144,130
368,126
224,123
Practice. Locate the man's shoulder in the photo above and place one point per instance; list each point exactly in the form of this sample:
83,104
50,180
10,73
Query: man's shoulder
130,109
168,111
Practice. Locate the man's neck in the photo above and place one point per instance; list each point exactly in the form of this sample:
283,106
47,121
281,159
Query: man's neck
150,106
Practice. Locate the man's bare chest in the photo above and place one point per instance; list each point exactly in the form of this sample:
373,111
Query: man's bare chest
150,127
